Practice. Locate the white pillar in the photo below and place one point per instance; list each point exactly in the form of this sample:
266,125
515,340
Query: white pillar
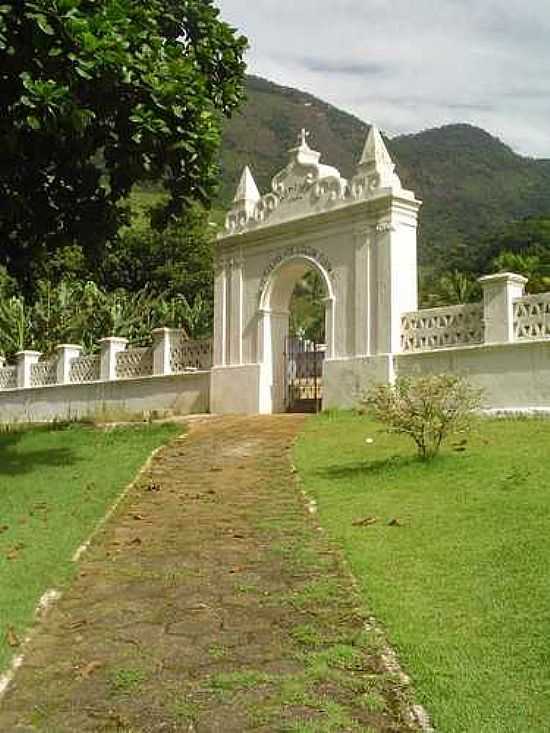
220,313
499,293
110,347
396,275
65,354
362,290
265,359
236,312
163,338
279,336
24,361
329,327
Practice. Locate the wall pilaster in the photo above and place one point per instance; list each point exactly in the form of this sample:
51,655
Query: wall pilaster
221,292
236,310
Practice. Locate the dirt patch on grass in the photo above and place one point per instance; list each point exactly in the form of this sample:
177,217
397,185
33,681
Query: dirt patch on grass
210,602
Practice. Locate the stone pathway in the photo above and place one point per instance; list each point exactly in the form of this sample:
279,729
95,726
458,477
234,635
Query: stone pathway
210,602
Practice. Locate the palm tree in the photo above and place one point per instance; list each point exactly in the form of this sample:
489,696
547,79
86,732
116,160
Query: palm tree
531,266
451,288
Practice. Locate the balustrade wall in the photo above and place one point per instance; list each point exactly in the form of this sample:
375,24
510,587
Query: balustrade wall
502,317
532,317
441,328
184,355
84,369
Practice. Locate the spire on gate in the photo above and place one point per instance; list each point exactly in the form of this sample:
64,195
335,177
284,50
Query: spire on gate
247,194
376,163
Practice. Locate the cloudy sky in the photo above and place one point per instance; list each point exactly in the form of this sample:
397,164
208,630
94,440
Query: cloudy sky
411,64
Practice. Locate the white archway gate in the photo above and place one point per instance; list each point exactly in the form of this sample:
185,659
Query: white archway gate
359,235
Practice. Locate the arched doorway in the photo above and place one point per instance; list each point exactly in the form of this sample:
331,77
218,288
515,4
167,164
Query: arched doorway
291,362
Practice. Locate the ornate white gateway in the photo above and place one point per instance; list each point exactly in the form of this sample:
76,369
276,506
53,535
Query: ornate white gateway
360,237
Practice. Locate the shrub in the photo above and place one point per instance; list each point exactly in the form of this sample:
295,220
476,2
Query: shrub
428,408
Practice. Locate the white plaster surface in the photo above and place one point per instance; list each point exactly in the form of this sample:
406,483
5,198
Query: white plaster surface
344,380
513,376
178,394
236,390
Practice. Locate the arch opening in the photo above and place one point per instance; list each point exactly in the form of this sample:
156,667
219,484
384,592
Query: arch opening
296,308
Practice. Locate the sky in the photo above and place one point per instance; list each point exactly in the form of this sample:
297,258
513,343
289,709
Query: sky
408,65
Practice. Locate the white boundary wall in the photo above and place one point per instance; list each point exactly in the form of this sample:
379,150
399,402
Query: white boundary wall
171,377
501,345
178,394
513,376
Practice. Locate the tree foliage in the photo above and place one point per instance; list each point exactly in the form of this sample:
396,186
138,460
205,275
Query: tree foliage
178,260
427,408
307,308
96,95
450,288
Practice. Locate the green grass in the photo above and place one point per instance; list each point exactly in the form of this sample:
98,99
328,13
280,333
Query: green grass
55,485
126,679
462,584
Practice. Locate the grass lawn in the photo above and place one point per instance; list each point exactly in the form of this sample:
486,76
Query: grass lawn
462,584
55,484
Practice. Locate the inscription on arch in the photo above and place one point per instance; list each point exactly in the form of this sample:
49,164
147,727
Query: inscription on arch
288,253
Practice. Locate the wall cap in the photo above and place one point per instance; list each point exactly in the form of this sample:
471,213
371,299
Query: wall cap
165,329
508,277
113,340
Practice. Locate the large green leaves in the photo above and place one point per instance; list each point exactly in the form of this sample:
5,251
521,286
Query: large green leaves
95,96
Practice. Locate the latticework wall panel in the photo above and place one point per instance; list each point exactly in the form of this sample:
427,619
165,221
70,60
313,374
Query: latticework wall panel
442,328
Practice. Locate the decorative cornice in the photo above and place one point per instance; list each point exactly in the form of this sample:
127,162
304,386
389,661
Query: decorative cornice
385,226
306,187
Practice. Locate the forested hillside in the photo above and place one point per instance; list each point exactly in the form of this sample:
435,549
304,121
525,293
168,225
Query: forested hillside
471,183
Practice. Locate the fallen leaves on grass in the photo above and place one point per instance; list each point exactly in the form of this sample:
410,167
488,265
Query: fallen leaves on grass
90,668
366,522
13,554
78,624
11,638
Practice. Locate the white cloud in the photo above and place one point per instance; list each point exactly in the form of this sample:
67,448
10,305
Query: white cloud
412,64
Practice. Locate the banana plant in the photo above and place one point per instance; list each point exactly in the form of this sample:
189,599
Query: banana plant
15,326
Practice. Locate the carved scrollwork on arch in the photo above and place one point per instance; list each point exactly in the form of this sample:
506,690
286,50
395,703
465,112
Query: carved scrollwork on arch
289,253
333,188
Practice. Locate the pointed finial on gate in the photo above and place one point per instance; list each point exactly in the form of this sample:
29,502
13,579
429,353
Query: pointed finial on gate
376,169
247,189
247,195
375,153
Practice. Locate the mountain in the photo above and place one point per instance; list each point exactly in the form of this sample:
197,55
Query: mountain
472,184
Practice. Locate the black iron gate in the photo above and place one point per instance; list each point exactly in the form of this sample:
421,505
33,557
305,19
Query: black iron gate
303,374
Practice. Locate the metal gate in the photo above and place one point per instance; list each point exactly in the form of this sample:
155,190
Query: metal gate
303,374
